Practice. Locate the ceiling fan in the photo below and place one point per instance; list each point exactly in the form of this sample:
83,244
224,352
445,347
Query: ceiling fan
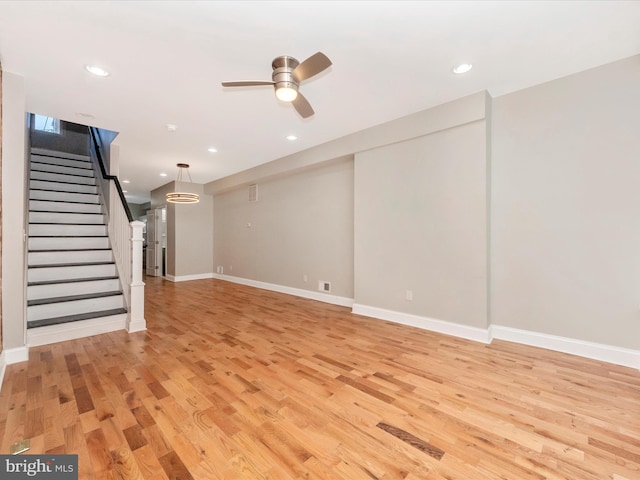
286,77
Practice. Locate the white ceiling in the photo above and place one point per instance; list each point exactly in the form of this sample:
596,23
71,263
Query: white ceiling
390,59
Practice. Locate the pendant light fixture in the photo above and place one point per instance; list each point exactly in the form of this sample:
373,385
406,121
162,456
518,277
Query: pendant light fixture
179,195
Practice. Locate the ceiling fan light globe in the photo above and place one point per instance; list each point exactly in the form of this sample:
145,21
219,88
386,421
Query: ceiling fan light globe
286,94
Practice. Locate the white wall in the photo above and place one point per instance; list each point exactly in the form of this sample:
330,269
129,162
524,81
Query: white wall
566,207
13,213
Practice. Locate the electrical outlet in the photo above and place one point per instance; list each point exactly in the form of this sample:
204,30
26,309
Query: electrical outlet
409,295
305,278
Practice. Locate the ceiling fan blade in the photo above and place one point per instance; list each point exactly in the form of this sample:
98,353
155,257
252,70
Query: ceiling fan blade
302,106
245,84
313,65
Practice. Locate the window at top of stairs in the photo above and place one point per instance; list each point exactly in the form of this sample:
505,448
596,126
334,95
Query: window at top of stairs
46,124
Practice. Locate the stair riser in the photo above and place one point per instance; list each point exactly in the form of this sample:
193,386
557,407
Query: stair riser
70,273
48,167
73,160
67,230
53,310
62,243
49,258
58,177
63,187
36,292
65,217
47,195
65,207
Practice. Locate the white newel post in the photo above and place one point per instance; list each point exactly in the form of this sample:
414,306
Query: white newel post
135,318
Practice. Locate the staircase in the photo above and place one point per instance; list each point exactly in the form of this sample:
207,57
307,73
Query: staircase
71,272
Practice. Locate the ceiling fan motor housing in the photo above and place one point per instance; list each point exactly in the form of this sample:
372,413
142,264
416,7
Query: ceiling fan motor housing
282,75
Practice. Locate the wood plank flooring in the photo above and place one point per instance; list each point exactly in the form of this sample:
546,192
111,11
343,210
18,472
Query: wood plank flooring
231,382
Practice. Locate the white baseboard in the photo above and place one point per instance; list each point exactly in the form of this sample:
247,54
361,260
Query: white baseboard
298,292
136,325
16,355
72,330
426,323
596,351
12,355
187,278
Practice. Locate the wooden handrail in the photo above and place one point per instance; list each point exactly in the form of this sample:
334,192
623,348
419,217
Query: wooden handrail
97,147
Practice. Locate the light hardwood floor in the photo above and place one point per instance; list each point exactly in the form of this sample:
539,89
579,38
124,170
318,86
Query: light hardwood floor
231,382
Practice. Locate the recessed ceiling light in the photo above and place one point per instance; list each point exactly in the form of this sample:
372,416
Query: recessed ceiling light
212,150
97,71
462,68
163,174
126,181
171,127
291,138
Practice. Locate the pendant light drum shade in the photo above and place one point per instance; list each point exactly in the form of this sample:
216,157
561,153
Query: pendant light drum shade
180,195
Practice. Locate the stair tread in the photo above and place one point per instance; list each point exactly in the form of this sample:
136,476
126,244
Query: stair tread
68,174
81,167
62,191
72,280
71,298
72,213
76,264
43,152
68,223
51,250
68,236
61,182
62,201
74,318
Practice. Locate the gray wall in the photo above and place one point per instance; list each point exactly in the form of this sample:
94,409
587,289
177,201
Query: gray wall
566,207
519,212
189,233
71,139
421,225
139,210
194,236
301,225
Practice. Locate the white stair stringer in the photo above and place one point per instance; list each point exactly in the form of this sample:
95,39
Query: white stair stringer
73,287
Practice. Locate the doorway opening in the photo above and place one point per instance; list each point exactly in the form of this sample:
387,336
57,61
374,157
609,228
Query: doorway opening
156,254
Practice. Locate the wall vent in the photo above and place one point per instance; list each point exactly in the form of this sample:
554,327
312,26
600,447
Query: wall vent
324,286
253,193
